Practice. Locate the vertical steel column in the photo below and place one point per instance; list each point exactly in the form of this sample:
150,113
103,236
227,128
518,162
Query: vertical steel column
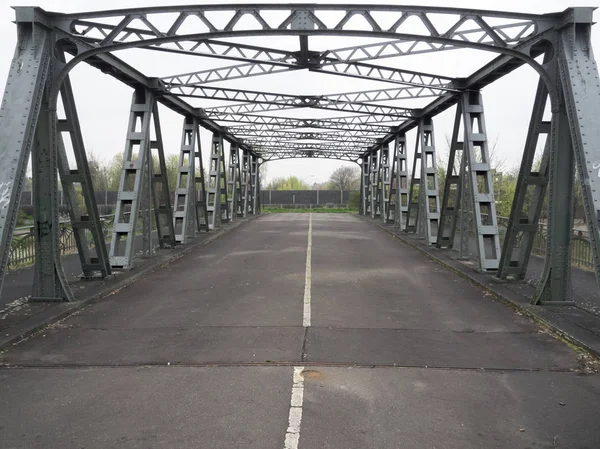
527,205
429,181
245,178
147,248
21,106
481,182
225,211
200,207
50,283
386,183
255,185
213,192
232,181
414,195
555,283
86,225
364,184
130,187
451,201
401,181
252,182
378,185
369,184
185,190
464,192
374,183
580,83
393,201
238,187
161,193
426,206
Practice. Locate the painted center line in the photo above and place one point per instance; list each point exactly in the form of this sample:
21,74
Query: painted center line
307,280
292,435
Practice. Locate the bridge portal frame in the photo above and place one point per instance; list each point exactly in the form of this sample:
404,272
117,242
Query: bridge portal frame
29,122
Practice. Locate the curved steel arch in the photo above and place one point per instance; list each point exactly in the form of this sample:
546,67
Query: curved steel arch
525,58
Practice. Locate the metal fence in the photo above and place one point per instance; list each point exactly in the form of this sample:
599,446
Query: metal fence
581,249
22,247
305,198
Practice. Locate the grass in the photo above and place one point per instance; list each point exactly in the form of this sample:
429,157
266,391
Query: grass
320,210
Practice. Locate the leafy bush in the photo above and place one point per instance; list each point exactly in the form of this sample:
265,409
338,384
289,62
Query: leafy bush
354,200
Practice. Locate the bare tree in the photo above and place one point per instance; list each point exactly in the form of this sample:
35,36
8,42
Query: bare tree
345,178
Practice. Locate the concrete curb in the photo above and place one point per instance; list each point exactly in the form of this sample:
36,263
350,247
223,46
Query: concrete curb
572,333
40,321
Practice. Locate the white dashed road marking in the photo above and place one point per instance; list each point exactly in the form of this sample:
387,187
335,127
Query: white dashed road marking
307,280
292,435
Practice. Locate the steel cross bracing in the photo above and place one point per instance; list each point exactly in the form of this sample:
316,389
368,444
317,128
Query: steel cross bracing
250,127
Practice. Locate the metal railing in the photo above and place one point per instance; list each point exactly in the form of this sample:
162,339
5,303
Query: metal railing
581,249
22,247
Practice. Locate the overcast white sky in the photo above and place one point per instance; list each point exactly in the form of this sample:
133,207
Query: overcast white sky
103,103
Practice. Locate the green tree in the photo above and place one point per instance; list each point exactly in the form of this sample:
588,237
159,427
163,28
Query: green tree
113,171
345,178
172,163
289,183
98,171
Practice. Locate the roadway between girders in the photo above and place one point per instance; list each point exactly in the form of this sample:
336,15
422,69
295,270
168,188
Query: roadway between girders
397,352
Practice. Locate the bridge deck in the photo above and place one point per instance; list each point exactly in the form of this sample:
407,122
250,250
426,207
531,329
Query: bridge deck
400,353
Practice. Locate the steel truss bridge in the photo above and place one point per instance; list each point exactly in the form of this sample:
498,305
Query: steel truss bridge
252,127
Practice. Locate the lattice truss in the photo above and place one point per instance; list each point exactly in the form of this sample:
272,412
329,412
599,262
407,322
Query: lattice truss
357,119
237,59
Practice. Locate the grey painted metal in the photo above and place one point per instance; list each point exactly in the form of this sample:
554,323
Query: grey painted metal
390,216
254,184
114,30
386,183
481,181
137,145
424,204
19,113
454,181
465,211
402,194
580,81
374,183
364,186
91,247
214,192
200,206
555,282
160,189
429,181
232,182
414,193
50,283
146,207
246,185
527,205
184,215
224,185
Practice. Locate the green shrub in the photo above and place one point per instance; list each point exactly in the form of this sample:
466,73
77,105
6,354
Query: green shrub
354,200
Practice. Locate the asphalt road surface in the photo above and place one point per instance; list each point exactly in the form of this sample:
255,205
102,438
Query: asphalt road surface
298,331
